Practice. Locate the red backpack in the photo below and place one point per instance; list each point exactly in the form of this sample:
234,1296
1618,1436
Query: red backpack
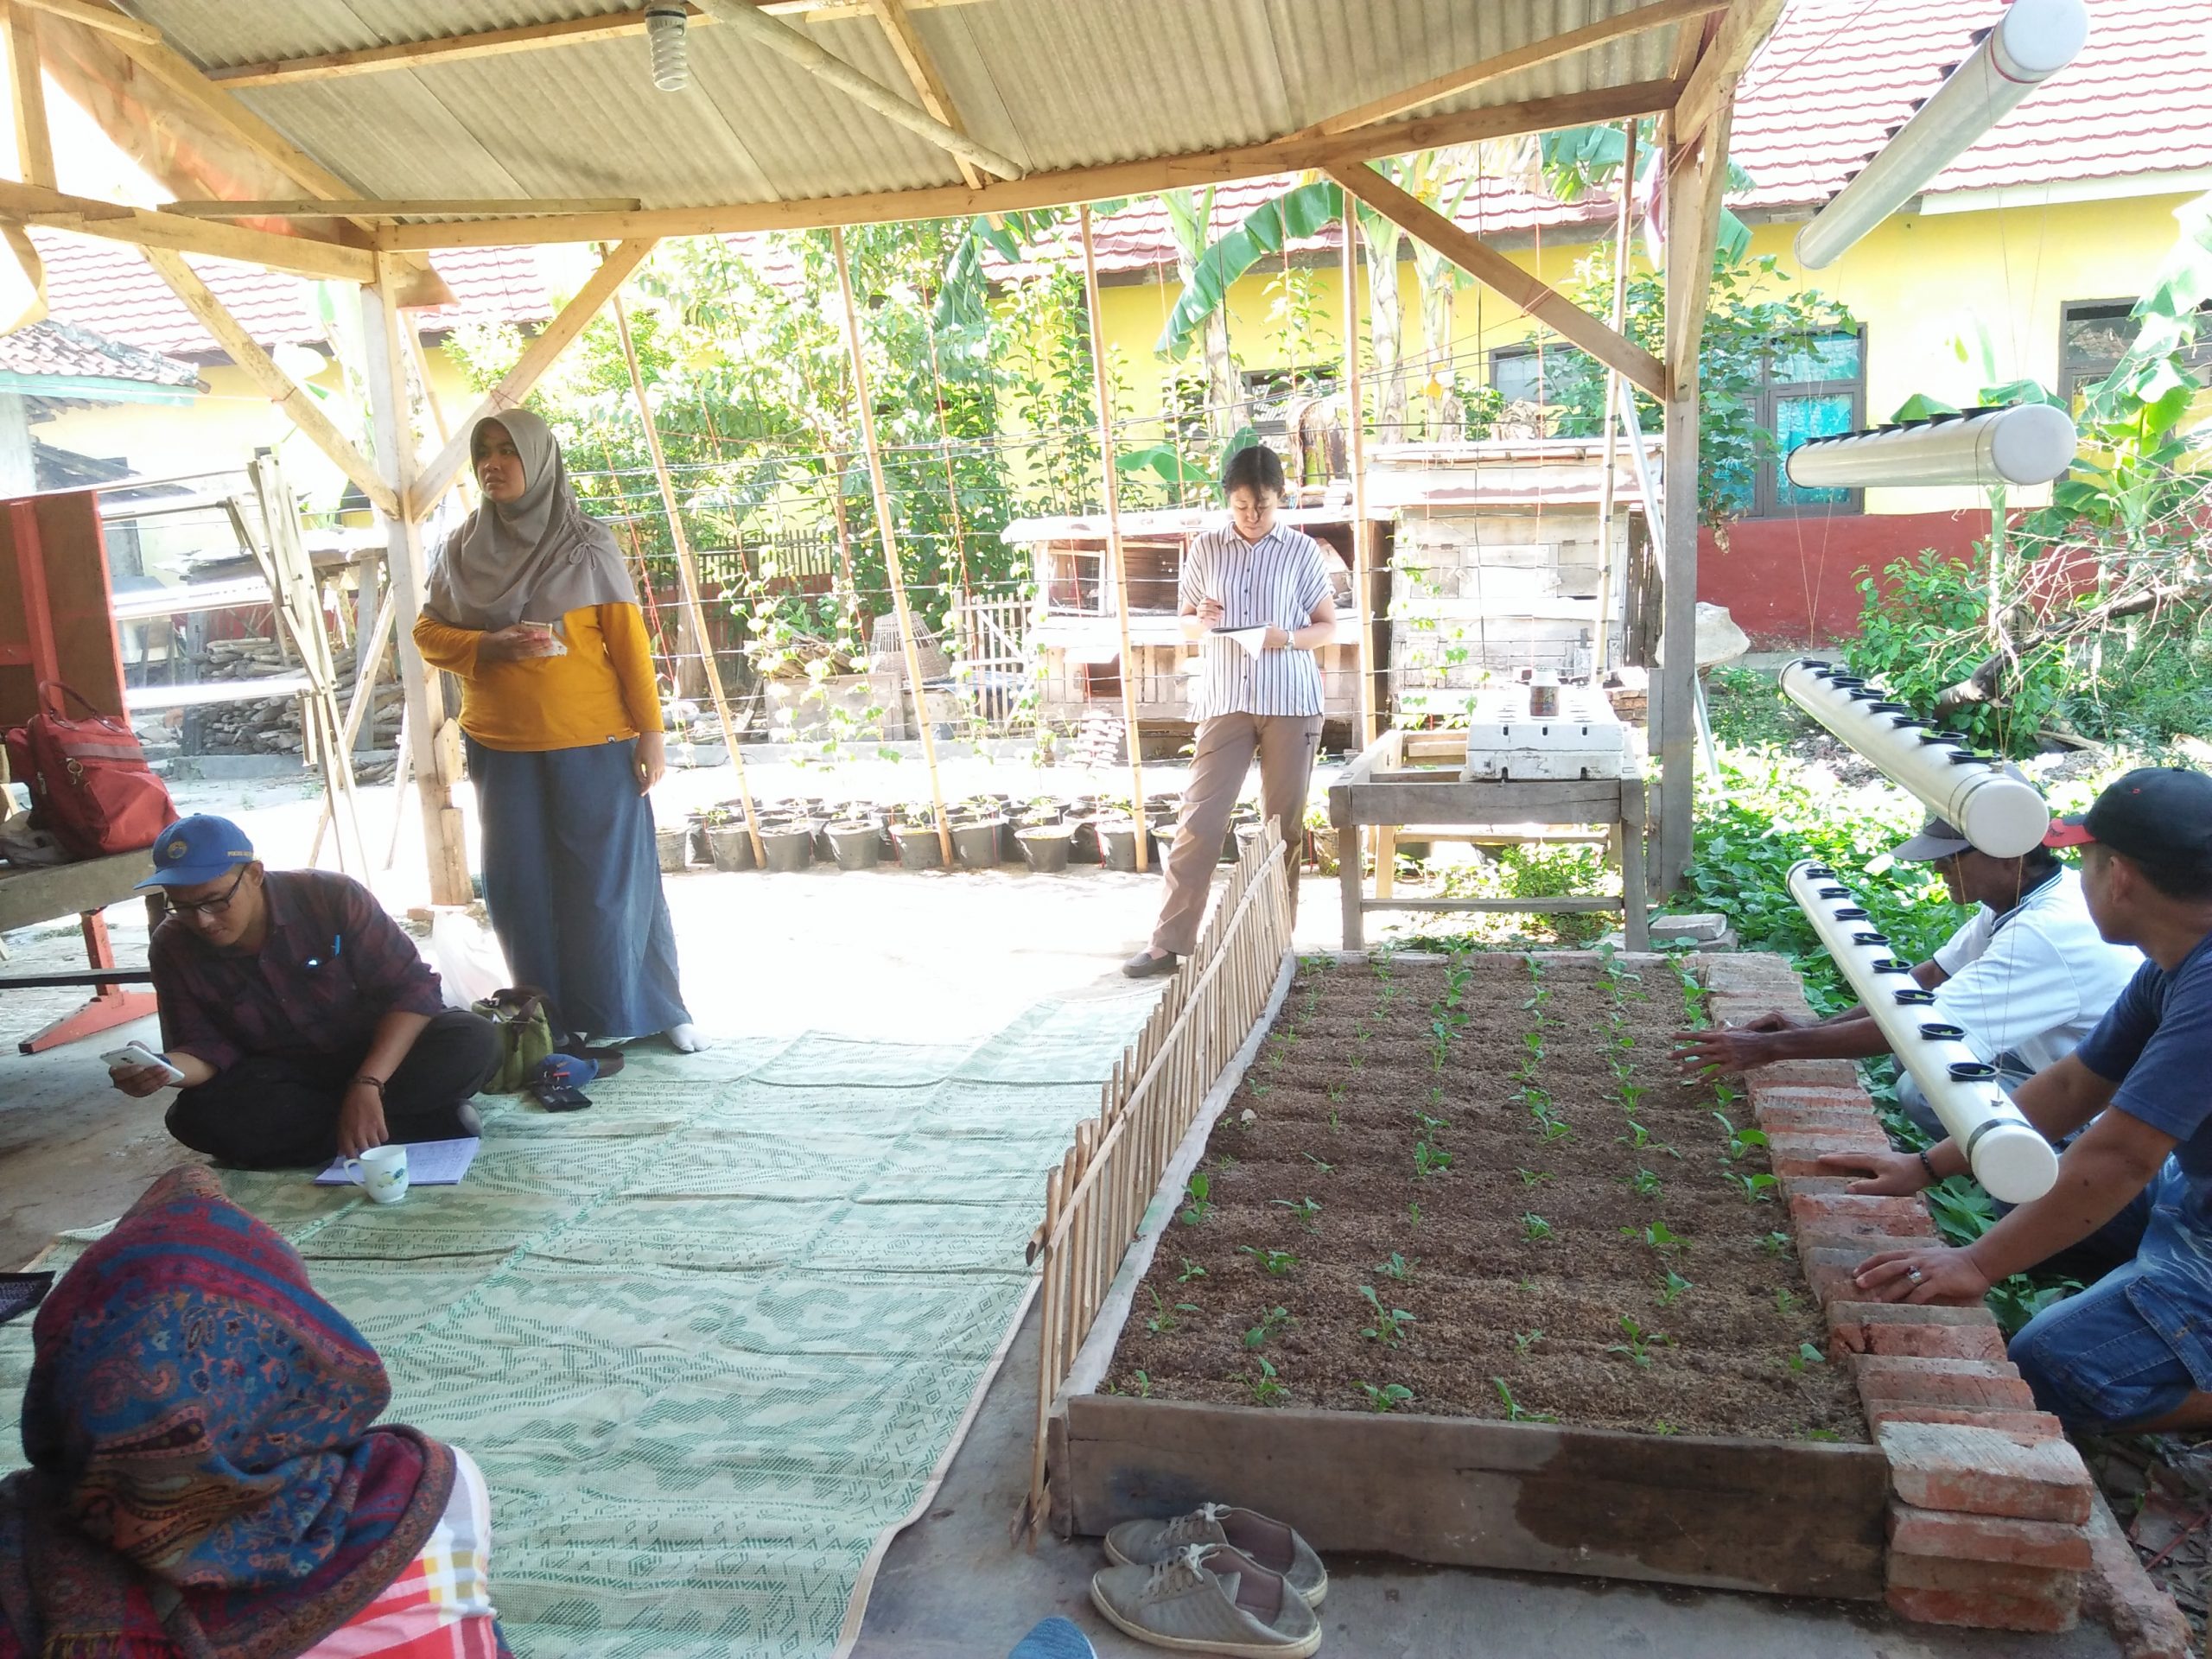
90,785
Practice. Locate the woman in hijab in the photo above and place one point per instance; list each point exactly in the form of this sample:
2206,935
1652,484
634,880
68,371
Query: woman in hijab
532,607
207,1479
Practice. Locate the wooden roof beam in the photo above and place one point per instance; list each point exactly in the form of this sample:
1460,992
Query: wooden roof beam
33,143
383,208
1605,32
1293,154
1492,269
921,69
436,478
99,17
284,392
1713,83
144,227
771,35
494,42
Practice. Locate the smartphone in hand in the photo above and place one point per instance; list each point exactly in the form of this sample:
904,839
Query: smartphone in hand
135,1057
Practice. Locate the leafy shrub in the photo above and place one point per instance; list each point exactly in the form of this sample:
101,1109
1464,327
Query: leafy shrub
1931,630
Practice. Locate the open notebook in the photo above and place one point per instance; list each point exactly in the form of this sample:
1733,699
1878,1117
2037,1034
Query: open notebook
1253,641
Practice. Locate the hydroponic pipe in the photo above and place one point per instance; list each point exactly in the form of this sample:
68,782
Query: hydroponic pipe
2000,812
2021,443
2008,1155
2032,41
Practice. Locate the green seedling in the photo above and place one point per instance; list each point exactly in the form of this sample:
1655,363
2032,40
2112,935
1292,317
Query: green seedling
1662,1426
1640,1343
1513,1414
1822,1435
1191,1270
1333,1123
1270,1322
1307,1211
1323,1167
1429,1160
1631,1096
1644,1184
1740,1141
1756,1188
1671,1288
1397,1267
1413,1212
1658,1236
1536,1228
1196,1199
1275,1262
1337,1092
1389,1328
1638,1137
1524,1340
1784,1300
1226,1162
1775,1243
1143,1381
1162,1319
1533,1177
1534,1042
1265,1390
1806,1355
1261,1091
1554,1129
1428,1124
1388,1397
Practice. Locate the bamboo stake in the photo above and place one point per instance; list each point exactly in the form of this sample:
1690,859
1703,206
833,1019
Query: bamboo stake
688,574
1602,659
1114,535
1362,545
891,544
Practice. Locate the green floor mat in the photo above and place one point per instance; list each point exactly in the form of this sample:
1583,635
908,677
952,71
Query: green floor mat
711,1338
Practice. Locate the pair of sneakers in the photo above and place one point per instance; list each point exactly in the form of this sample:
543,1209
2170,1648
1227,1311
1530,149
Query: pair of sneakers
1217,1581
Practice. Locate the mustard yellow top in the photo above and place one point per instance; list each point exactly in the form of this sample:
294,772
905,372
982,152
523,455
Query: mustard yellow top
602,690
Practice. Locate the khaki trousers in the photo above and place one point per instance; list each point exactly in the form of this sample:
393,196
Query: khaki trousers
1285,744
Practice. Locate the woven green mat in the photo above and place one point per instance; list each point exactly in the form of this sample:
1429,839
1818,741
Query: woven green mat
711,1338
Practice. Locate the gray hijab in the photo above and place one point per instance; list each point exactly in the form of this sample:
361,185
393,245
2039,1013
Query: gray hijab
531,560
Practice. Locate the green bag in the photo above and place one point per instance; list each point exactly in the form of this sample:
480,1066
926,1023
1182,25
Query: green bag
525,1036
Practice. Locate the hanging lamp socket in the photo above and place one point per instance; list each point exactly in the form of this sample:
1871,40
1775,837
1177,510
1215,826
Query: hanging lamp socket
671,48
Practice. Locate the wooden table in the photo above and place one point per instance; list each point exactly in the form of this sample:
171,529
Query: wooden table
1411,780
84,889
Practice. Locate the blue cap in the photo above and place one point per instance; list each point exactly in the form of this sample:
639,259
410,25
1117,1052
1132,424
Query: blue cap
195,849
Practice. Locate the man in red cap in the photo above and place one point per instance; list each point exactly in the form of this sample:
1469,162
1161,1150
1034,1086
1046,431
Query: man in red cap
2135,1348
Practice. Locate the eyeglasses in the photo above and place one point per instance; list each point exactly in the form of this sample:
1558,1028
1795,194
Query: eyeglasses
210,907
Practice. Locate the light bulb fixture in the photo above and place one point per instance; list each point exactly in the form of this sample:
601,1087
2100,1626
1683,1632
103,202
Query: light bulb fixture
672,50
1997,811
2031,41
2021,443
2008,1155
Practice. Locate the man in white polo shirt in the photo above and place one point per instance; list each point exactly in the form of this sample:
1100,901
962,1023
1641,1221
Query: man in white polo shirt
2026,978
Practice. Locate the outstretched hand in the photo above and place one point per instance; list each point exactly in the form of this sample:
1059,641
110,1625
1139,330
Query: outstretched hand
1732,1048
1883,1174
1932,1273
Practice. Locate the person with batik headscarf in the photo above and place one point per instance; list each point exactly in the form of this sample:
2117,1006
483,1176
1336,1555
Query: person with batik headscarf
531,606
207,1476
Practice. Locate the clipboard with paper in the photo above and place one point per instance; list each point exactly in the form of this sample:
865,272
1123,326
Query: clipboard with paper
1254,639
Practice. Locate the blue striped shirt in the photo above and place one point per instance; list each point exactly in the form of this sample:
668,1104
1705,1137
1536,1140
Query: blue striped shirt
1277,580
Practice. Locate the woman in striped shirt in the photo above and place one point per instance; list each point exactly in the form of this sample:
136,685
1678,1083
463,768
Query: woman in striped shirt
1253,578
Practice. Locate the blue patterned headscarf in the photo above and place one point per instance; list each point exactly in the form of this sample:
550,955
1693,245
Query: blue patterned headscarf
206,1475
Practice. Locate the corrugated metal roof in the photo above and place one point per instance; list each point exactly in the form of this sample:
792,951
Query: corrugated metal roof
1052,84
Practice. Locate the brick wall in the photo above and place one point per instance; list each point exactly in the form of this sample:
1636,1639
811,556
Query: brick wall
1994,1519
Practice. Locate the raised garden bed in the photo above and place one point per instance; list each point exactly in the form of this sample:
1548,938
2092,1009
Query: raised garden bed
1466,1273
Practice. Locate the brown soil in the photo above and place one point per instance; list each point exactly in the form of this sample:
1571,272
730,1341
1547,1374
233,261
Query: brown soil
1330,1111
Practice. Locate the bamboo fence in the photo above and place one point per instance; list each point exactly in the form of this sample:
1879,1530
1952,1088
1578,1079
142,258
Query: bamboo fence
1095,1202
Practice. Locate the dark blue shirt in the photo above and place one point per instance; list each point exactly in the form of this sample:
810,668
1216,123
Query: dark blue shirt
333,964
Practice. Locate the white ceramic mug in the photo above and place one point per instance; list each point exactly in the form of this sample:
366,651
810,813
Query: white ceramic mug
382,1171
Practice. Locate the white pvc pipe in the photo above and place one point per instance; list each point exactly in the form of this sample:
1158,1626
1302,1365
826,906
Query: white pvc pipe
2008,1155
2023,443
2032,41
2002,814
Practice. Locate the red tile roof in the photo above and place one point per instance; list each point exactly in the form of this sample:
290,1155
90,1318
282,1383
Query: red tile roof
64,349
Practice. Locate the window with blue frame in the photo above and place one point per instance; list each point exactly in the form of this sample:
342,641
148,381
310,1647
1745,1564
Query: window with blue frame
1813,390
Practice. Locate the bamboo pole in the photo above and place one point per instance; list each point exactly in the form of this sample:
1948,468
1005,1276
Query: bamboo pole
1363,538
913,653
688,574
1601,659
1114,535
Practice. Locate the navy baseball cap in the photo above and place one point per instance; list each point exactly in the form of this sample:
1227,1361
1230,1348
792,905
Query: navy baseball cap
2162,814
195,849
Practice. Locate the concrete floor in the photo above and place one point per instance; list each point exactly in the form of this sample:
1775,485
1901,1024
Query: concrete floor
920,958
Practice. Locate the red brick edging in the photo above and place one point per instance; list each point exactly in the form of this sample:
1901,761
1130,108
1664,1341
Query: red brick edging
1991,1507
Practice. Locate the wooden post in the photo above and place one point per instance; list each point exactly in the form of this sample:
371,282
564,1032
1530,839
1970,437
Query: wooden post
1114,534
1602,659
1695,175
911,652
1363,538
686,572
426,719
34,144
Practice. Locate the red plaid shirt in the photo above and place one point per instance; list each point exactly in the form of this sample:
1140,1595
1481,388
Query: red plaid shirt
333,964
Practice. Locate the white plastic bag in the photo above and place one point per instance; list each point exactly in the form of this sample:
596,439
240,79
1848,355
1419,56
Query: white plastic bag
468,958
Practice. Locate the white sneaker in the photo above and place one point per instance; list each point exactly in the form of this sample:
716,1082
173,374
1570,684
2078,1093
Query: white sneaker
1208,1598
1271,1544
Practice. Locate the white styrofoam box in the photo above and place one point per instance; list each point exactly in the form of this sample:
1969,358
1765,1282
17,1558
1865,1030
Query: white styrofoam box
1584,740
